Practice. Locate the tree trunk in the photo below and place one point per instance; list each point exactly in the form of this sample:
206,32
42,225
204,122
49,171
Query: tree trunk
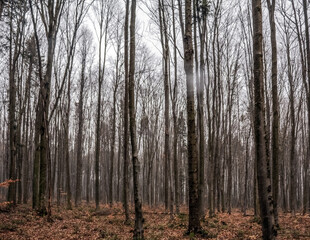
194,220
165,53
293,162
66,145
175,124
113,138
50,19
126,115
200,100
138,231
306,200
12,117
263,175
275,111
79,163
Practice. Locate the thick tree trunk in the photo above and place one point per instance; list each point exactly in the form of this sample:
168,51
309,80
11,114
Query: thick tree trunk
54,11
42,115
200,100
194,220
263,174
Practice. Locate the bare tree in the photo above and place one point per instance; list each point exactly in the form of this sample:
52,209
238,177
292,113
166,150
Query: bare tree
306,193
193,220
263,174
84,52
126,115
15,43
275,110
166,59
104,18
138,231
116,84
50,16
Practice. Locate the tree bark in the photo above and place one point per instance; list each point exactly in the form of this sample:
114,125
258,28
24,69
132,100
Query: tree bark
306,200
175,123
12,108
194,219
126,115
263,174
202,18
293,162
113,134
165,53
275,111
138,231
79,163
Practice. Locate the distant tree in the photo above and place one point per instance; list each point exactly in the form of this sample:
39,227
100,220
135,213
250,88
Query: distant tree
104,14
118,36
166,73
86,42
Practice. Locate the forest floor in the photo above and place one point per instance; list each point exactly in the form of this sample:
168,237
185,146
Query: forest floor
85,223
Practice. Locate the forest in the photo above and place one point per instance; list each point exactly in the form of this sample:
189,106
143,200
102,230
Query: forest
154,119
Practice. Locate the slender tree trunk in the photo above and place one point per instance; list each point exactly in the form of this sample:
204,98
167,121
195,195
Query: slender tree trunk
79,163
100,81
293,162
26,149
165,49
97,147
113,140
275,111
247,159
12,117
229,159
175,124
126,115
306,193
66,143
138,231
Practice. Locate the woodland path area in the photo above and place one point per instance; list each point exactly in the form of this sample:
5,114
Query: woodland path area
108,223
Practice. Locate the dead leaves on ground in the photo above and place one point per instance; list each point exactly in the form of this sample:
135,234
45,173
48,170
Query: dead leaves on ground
86,223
